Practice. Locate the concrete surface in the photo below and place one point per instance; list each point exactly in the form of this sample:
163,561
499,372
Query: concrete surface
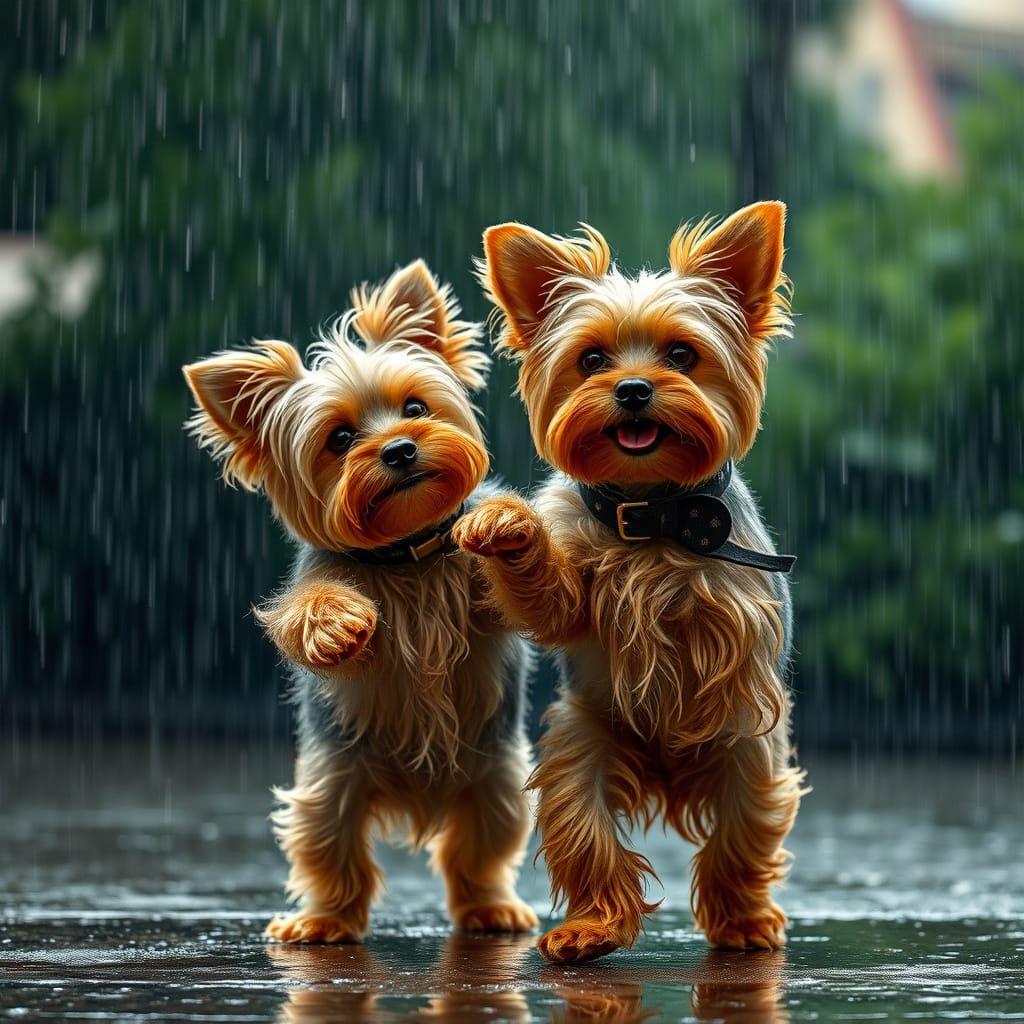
135,882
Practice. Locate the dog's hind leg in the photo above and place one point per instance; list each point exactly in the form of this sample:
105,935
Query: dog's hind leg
587,782
744,801
323,826
481,846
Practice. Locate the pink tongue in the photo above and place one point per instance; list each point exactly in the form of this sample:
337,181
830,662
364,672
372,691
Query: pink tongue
637,436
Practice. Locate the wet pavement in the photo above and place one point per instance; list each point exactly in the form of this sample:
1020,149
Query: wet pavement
134,885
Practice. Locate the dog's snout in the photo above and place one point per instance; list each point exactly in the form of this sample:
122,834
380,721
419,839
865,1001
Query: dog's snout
633,393
400,453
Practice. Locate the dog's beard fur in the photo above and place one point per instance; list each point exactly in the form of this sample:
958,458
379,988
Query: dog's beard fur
692,449
362,509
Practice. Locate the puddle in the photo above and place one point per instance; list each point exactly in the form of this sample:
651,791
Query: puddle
138,891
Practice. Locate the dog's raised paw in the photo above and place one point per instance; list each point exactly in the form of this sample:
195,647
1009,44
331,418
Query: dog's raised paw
578,941
312,928
512,916
497,526
335,631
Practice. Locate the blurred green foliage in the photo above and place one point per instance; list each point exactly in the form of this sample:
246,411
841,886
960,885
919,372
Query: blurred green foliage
902,394
910,358
237,166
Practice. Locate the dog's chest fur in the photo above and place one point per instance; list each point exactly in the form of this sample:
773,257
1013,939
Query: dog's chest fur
678,647
431,677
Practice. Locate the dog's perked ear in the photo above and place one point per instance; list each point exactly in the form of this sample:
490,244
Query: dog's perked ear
235,392
413,306
743,253
523,271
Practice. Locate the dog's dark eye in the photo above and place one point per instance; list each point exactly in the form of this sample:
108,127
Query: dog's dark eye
414,407
593,360
682,357
340,439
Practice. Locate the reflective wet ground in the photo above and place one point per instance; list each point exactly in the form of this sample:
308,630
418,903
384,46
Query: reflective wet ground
134,884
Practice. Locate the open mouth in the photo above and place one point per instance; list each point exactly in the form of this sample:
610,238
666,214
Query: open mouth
637,437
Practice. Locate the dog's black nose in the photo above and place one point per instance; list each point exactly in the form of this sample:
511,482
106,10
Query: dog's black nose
400,453
633,393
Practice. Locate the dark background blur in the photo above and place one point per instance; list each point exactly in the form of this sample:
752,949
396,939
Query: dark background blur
177,176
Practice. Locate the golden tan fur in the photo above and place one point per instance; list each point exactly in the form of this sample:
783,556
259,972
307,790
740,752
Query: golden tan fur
636,317
410,716
676,628
668,692
415,307
473,815
677,705
409,700
268,418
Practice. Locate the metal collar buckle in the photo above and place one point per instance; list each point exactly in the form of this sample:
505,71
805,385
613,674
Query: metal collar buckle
428,547
620,518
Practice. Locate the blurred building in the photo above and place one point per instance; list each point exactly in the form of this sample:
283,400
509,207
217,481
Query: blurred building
899,68
27,264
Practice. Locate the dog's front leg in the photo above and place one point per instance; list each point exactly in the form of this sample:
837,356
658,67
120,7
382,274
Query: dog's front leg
323,827
534,582
587,780
752,795
319,623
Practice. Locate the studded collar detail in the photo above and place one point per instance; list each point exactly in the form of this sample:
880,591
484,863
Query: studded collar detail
695,517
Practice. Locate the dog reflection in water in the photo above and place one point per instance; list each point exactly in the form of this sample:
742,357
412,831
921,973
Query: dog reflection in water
724,986
476,977
485,978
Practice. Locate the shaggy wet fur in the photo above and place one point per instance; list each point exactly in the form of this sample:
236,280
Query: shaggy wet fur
673,702
409,688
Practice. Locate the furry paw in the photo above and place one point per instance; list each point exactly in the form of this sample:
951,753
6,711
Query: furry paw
498,526
333,631
307,927
513,916
579,941
762,931
319,625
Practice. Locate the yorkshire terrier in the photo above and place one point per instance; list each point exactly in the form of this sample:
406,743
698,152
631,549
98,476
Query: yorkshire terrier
645,562
410,691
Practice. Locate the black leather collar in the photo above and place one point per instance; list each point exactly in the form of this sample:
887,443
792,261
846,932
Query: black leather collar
695,517
417,548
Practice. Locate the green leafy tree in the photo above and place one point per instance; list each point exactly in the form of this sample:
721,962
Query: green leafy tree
900,404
